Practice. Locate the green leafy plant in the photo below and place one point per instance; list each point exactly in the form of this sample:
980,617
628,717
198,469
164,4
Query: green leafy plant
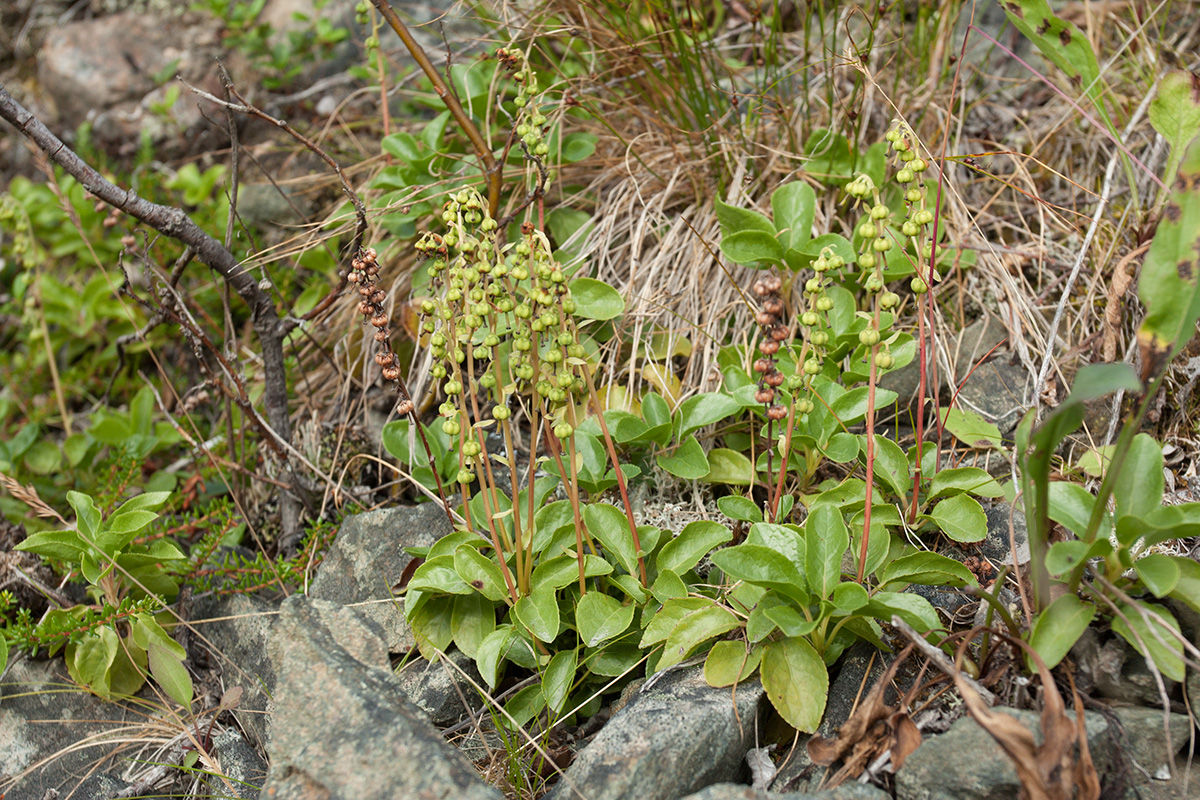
1113,561
112,645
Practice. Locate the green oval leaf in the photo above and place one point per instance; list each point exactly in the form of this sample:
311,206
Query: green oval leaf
596,299
1058,628
796,682
480,572
730,662
599,617
961,518
538,612
692,544
687,462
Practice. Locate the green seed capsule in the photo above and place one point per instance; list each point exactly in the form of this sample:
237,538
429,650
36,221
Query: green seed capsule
869,337
501,413
879,211
918,286
824,303
809,318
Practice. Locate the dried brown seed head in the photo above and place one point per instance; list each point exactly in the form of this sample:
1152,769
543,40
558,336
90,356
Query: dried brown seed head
768,347
391,373
773,378
384,358
776,413
762,365
366,309
773,305
765,319
779,333
764,396
382,335
379,320
405,408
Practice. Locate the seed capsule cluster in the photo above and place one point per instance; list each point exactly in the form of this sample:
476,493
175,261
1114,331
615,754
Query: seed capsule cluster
531,126
364,274
774,333
876,233
500,322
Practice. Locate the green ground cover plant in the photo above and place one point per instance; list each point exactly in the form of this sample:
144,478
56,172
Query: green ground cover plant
543,386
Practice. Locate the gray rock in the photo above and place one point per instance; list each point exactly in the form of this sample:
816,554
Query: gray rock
236,639
676,738
439,689
1115,671
733,791
368,558
90,65
343,727
44,716
978,768
983,772
240,764
261,204
1145,744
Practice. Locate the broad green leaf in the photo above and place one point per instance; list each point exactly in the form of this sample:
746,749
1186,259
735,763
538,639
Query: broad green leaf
1161,524
961,518
687,462
61,545
473,620
912,608
129,522
1156,637
1187,589
147,632
596,299
563,571
87,515
692,544
538,612
787,540
667,617
558,679
668,585
735,219
1159,573
730,662
1175,114
609,526
1070,505
794,205
729,467
762,566
705,409
1062,557
433,625
492,652
971,429
750,247
842,447
146,501
578,146
613,660
523,706
1168,286
891,466
92,657
849,597
790,621
480,573
600,617
693,630
43,458
1138,488
826,540
958,480
796,682
929,569
439,576
740,508
170,673
1058,628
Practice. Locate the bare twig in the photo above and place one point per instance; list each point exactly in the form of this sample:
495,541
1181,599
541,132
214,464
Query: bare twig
491,167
